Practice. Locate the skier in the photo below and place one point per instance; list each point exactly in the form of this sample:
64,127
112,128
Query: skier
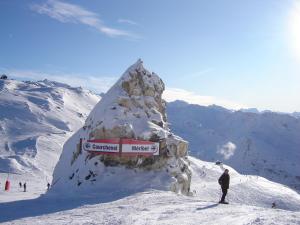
20,184
24,186
224,182
48,186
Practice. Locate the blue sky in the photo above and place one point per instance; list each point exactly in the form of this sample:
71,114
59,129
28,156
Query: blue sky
232,53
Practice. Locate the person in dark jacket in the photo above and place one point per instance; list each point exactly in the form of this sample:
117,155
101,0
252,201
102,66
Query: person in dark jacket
24,186
224,182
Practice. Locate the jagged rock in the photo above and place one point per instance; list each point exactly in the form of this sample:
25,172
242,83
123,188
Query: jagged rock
132,108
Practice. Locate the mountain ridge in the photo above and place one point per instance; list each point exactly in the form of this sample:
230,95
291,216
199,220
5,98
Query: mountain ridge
25,105
35,119
265,144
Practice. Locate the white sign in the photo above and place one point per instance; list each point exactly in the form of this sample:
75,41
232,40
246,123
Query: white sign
102,146
136,147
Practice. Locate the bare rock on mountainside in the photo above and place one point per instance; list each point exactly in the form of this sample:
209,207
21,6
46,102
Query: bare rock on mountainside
132,109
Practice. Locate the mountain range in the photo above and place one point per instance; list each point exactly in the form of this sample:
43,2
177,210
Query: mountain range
37,118
265,144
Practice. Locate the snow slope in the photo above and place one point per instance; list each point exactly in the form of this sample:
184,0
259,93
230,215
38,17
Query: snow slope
265,144
250,200
35,120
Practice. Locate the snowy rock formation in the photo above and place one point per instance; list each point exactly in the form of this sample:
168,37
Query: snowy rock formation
133,108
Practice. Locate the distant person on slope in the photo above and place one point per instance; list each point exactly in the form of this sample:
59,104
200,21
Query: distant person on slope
224,182
24,186
20,184
48,186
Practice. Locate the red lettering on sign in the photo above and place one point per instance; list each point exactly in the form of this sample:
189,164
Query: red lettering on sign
111,141
136,142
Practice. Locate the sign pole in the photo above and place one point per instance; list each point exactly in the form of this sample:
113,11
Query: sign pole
120,148
80,145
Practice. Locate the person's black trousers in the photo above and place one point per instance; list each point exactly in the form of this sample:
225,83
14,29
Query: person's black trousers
224,191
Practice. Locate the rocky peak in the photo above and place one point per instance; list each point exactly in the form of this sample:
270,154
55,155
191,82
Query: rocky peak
133,108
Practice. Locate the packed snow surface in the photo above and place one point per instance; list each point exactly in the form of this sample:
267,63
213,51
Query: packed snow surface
250,200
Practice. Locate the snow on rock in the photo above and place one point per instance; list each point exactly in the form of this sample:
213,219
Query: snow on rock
133,108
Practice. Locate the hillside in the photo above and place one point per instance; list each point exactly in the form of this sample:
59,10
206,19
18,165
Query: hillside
250,200
35,120
264,144
38,117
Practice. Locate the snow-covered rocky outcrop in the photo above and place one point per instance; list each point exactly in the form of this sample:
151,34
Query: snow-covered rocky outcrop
133,108
35,120
265,144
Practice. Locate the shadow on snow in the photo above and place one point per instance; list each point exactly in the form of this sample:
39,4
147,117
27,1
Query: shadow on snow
208,207
47,204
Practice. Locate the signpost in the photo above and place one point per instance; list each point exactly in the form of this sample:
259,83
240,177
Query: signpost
122,147
103,146
137,147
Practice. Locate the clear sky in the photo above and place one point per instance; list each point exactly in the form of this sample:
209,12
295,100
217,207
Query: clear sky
228,52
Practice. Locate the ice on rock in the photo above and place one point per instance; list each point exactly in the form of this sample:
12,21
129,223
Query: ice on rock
132,108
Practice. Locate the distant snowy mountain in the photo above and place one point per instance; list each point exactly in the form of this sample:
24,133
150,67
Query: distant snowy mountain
250,110
265,144
35,120
296,114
